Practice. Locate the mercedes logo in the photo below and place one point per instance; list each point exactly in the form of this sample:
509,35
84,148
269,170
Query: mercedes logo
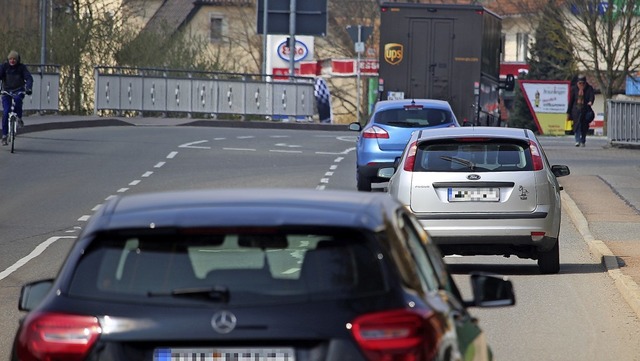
223,322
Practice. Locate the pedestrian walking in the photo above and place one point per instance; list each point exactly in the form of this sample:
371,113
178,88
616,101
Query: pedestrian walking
580,112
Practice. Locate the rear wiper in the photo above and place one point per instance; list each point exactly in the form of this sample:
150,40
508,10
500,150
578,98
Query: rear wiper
215,293
467,163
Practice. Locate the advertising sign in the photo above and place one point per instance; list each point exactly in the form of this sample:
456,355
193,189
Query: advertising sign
548,101
278,53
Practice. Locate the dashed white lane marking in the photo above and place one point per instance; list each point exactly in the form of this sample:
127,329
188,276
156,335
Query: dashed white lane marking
135,182
172,155
122,190
346,151
243,149
159,164
288,145
84,218
325,180
284,151
147,174
35,253
245,137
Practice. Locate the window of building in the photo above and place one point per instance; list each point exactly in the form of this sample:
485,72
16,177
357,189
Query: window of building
522,50
503,45
216,28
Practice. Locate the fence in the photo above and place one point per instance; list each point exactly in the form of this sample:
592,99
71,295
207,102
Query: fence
623,122
160,90
46,88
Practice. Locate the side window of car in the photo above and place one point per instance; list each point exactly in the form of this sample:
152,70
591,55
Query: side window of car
437,262
419,253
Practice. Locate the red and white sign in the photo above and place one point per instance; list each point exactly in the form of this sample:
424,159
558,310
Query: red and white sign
347,67
283,73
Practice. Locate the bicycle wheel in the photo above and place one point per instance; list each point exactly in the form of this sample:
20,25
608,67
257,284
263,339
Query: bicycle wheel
13,124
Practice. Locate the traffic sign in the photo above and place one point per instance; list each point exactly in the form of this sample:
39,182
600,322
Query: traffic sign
310,17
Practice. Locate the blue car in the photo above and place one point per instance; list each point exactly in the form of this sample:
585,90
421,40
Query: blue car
385,135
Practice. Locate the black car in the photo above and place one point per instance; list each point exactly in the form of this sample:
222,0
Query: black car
253,274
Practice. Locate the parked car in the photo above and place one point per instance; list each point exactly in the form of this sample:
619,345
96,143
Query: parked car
483,191
386,133
286,274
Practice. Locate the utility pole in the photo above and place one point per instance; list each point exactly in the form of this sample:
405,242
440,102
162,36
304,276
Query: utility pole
43,31
292,38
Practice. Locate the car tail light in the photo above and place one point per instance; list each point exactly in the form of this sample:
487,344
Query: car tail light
397,335
410,161
537,236
375,132
536,156
56,336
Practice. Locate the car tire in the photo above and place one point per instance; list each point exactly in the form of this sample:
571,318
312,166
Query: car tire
549,261
363,183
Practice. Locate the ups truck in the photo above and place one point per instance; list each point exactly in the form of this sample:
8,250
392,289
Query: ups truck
443,51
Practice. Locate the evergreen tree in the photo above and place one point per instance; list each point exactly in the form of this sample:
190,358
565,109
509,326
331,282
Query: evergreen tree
551,59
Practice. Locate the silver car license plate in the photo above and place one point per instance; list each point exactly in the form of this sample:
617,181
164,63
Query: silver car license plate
474,195
224,354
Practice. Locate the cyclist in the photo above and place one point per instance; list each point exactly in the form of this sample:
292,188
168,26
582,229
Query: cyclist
15,77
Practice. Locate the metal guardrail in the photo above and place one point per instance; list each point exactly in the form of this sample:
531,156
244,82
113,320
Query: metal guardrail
623,122
160,90
46,88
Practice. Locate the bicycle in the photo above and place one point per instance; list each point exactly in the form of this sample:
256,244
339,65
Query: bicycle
13,117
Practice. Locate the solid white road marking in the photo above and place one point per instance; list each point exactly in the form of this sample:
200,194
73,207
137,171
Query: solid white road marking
194,146
35,253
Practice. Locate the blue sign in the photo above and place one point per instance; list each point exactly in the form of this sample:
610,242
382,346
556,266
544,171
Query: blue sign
632,86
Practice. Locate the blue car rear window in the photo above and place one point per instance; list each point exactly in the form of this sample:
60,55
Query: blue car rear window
409,118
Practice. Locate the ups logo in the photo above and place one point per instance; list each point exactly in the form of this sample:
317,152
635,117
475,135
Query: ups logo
393,53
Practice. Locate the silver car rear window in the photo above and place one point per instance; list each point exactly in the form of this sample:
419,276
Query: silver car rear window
251,265
473,156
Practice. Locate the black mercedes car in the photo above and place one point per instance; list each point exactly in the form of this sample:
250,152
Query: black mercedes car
254,274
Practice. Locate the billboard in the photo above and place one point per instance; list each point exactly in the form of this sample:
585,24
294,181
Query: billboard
548,101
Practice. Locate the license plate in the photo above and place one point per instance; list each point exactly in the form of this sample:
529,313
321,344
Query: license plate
474,194
224,354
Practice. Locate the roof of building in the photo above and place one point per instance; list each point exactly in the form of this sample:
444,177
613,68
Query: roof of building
500,7
176,13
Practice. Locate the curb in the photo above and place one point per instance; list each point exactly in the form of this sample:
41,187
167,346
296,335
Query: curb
629,289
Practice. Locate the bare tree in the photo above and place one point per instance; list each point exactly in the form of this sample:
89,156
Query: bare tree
605,39
338,44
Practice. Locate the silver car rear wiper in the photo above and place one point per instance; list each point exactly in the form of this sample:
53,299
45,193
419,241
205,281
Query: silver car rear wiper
215,293
467,163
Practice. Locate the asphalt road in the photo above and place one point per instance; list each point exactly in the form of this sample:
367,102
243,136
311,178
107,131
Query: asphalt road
56,178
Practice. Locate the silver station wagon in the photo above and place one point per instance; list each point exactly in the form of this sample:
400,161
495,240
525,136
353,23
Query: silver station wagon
482,191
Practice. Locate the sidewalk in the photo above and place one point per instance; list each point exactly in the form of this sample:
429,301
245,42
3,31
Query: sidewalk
595,213
603,203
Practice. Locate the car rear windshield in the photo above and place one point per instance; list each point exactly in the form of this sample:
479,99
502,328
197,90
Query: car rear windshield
228,265
417,117
473,155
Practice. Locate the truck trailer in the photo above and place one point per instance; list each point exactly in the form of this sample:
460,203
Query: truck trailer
443,51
